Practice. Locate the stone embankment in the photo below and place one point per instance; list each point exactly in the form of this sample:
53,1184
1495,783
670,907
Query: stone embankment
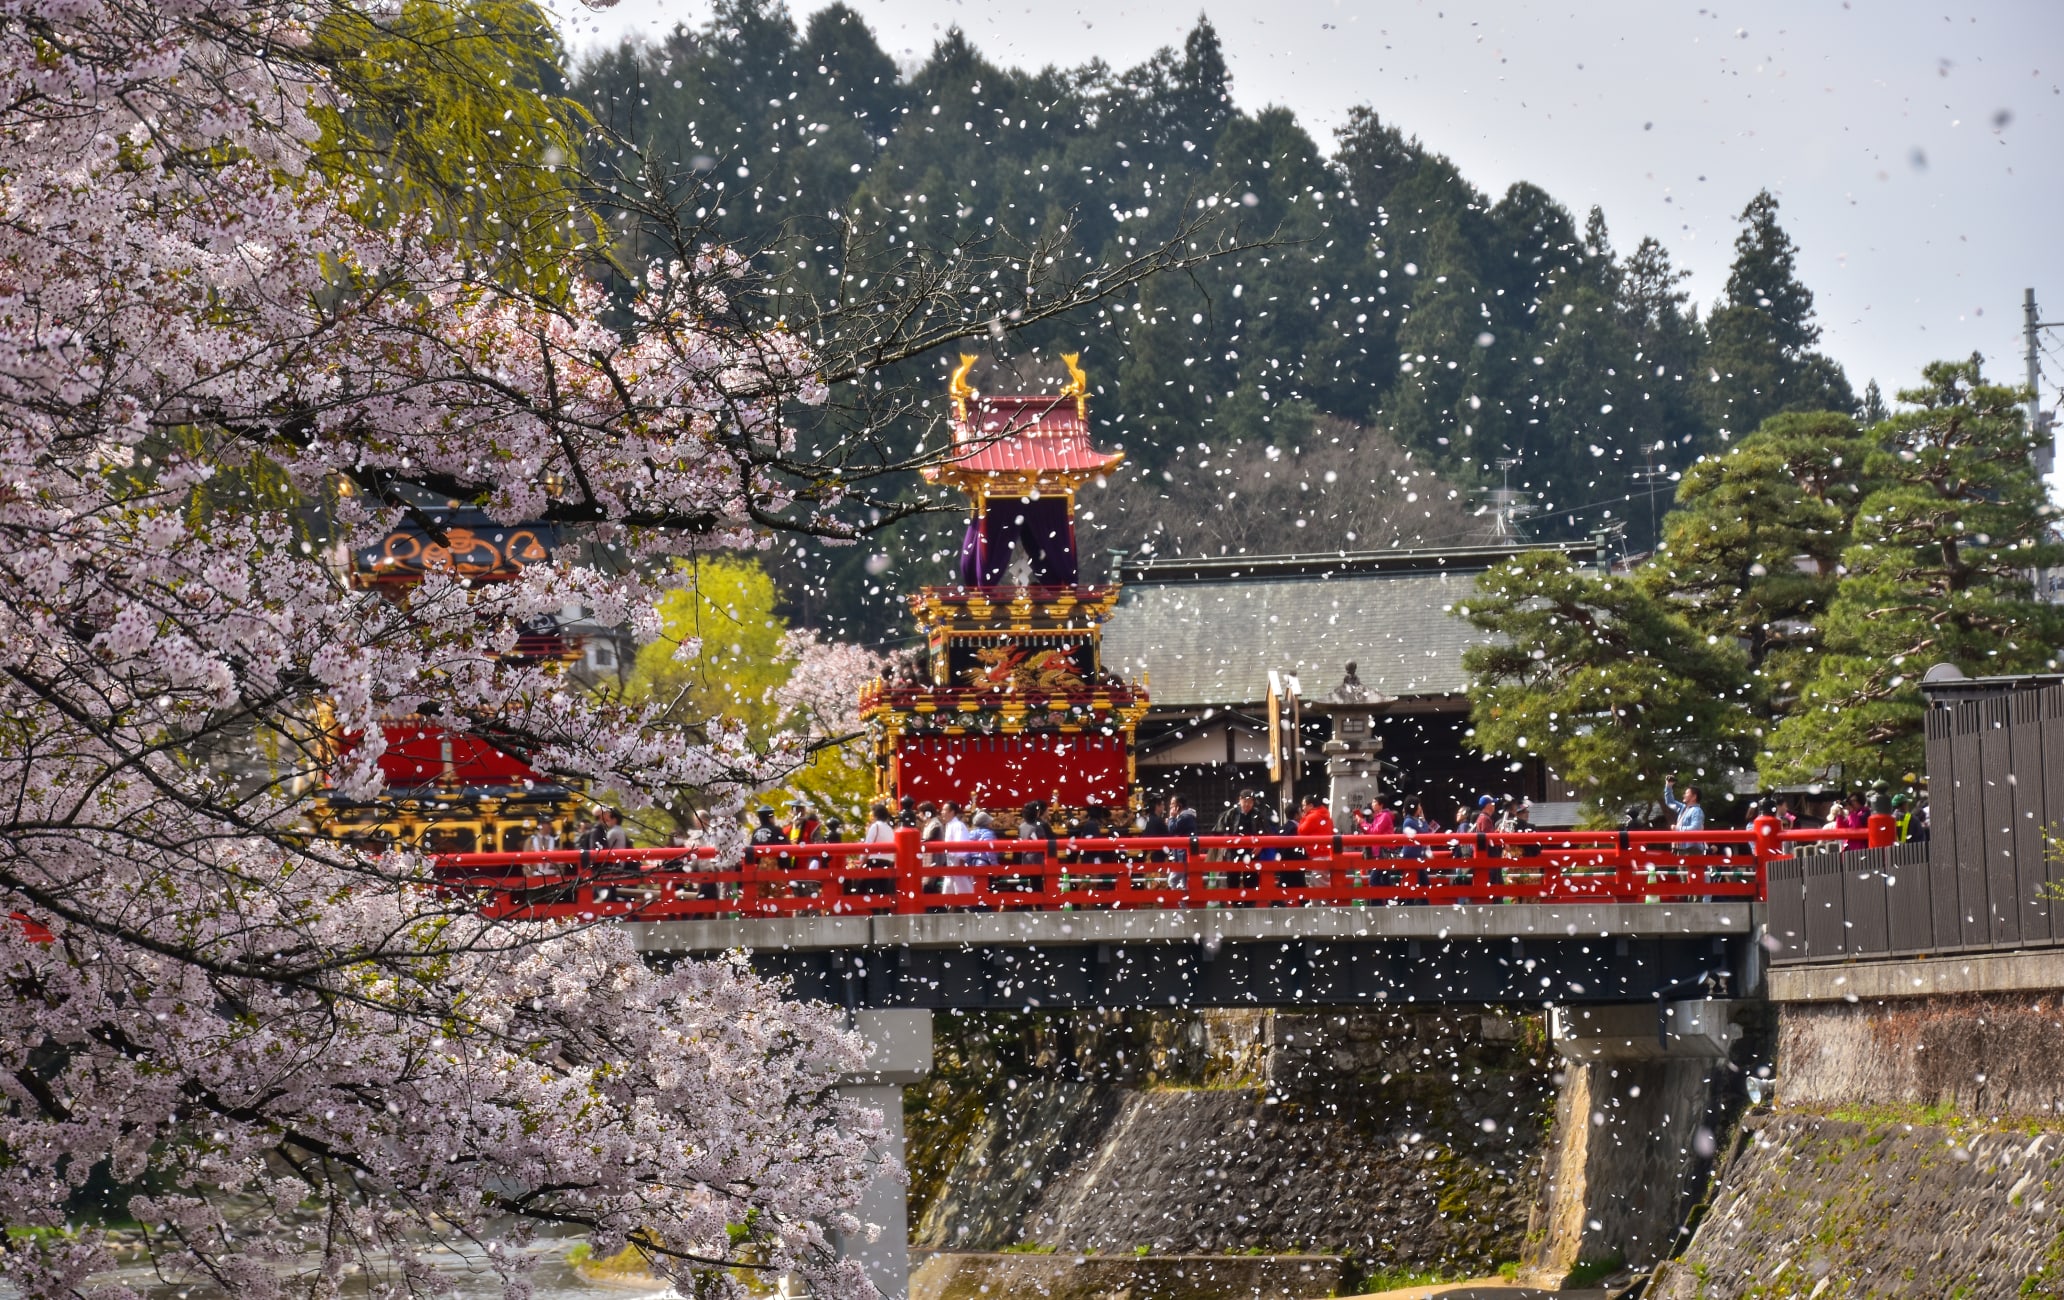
1916,1149
1402,1140
1833,1207
1091,1277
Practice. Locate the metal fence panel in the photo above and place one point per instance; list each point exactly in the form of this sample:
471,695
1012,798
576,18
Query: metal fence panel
2052,726
1996,785
1909,900
1826,925
1975,931
2025,804
1996,750
1943,802
1786,917
1864,928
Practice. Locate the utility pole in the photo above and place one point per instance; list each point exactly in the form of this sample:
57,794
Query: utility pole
2032,326
2029,326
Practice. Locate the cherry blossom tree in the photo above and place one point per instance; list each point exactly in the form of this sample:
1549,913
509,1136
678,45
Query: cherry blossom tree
217,377
296,1060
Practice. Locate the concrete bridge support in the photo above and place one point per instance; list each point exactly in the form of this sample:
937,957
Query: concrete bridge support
899,1052
1631,1141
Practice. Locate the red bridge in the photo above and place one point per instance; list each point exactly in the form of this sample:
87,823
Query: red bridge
908,876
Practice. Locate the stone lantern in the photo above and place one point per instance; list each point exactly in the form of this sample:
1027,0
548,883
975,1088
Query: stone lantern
1354,761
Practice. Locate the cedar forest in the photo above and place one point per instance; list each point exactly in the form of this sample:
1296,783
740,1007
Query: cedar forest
1424,362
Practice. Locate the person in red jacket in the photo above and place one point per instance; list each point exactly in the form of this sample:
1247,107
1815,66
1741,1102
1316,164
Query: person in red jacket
1315,820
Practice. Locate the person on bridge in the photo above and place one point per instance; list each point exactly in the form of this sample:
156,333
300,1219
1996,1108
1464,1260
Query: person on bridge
1378,819
1032,825
803,828
1907,826
1094,824
1314,820
1484,825
1250,816
1691,813
1154,826
953,830
984,832
880,836
1855,816
1182,820
1418,821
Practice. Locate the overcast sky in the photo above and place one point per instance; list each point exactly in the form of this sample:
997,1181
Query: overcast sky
1918,149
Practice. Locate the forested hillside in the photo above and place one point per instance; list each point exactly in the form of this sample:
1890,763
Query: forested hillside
1492,341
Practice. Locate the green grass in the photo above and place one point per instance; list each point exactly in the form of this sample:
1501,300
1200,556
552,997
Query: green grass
1028,1248
1588,1271
627,1263
1390,1279
1935,1116
1886,1115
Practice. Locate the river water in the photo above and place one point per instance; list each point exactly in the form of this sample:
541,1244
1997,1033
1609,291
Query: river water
553,1279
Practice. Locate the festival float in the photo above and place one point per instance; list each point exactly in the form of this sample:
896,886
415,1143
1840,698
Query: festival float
449,791
1009,702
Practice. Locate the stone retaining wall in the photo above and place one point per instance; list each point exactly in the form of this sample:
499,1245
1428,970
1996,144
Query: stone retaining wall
956,1276
1983,1054
1407,1139
1810,1206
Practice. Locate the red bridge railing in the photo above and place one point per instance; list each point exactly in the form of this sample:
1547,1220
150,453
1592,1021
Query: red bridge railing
907,876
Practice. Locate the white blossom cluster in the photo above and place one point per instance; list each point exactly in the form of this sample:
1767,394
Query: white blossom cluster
297,1061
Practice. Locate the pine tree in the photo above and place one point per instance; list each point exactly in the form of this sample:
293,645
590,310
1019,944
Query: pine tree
1750,553
1203,97
1873,410
1607,684
1938,571
1760,359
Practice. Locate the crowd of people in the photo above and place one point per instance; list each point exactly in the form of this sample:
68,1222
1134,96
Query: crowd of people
1472,830
1174,817
1852,812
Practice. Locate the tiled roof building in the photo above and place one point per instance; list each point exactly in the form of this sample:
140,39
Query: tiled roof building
1206,634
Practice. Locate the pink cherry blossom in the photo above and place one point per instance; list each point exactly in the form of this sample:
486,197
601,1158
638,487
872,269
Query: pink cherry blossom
300,1059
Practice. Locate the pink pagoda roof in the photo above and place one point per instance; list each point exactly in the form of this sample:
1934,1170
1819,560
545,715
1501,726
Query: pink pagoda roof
1031,441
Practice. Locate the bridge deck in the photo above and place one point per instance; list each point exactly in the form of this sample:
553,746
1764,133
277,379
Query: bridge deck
1519,954
1235,925
1560,917
903,877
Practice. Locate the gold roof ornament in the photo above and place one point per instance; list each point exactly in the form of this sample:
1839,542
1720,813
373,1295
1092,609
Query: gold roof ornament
1021,445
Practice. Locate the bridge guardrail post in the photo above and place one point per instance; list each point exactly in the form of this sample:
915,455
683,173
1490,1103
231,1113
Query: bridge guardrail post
1881,832
1765,845
909,876
749,883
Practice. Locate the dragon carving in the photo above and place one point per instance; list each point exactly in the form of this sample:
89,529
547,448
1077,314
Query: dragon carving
1017,671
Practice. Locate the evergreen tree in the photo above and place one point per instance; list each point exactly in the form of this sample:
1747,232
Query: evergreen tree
1873,410
1375,157
1750,553
1607,684
1204,88
1939,570
1504,343
1760,358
